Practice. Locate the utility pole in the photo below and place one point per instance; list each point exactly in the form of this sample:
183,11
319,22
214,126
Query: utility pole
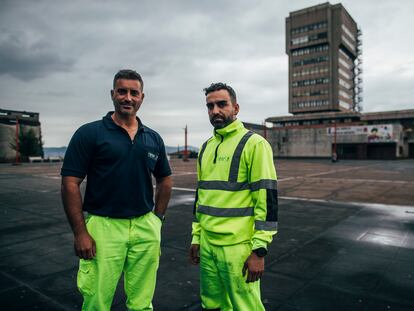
185,156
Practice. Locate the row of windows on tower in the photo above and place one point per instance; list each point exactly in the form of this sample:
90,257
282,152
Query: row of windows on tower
309,61
310,71
310,104
310,82
309,38
310,50
309,27
310,93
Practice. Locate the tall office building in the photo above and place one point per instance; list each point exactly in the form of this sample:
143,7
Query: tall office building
323,43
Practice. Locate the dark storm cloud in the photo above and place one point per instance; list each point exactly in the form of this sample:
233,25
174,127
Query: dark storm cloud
28,59
65,53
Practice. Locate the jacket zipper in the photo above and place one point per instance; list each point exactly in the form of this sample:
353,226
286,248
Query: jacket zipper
215,154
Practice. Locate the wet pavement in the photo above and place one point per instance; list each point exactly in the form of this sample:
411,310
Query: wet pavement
345,241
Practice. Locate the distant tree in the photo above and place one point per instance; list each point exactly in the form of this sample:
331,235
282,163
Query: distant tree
29,144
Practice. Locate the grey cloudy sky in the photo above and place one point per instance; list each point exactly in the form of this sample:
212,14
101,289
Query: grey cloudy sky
58,58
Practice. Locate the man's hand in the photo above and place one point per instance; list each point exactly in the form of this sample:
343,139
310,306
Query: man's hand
194,254
254,266
85,247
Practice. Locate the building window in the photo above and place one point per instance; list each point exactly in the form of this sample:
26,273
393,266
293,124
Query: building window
311,50
300,40
310,104
306,28
305,39
318,36
310,82
310,93
309,61
310,71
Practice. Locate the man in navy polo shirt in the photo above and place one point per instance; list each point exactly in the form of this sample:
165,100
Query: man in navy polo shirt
122,229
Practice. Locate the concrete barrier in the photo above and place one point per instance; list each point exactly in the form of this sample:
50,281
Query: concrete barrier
35,159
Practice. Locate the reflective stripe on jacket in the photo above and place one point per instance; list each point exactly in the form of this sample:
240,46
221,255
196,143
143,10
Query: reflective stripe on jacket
236,199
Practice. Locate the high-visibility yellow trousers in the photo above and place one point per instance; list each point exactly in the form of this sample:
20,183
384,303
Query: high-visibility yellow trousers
223,286
131,246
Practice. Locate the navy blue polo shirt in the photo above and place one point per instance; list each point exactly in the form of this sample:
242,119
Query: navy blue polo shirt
118,170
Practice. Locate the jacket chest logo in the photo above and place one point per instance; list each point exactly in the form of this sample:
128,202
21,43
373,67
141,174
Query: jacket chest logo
223,158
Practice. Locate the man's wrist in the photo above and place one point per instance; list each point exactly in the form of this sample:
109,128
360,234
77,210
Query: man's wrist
260,252
161,217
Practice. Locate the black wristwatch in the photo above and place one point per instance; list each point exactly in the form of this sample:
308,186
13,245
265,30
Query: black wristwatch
260,252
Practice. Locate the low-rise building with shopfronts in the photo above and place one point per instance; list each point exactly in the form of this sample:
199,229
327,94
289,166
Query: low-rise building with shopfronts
351,135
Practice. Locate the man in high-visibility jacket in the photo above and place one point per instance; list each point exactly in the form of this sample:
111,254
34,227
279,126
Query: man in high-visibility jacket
235,208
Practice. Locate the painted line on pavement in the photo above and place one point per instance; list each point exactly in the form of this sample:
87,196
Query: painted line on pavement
328,172
184,189
184,173
364,180
323,201
373,205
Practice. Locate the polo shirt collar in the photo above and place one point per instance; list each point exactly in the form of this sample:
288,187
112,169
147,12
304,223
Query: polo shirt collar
110,124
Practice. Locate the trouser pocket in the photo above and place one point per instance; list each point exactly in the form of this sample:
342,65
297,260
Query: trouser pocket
86,277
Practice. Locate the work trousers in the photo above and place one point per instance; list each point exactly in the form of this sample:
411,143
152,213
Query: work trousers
223,286
131,246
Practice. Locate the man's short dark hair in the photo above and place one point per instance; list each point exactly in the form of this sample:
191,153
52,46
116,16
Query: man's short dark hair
221,86
128,74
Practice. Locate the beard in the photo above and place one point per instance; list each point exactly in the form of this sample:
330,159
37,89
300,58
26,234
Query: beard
220,122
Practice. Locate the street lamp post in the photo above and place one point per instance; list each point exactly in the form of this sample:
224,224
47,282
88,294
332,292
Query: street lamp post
185,156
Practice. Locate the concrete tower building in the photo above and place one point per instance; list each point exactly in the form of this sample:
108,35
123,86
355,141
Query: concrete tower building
323,45
324,48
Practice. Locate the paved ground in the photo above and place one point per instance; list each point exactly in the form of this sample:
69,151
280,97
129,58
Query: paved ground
346,240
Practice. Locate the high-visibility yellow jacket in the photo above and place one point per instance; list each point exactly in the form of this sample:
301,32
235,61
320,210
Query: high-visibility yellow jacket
236,199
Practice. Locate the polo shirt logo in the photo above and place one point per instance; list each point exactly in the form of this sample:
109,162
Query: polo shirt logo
153,156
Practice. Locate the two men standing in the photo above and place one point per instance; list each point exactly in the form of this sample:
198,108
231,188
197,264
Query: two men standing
235,206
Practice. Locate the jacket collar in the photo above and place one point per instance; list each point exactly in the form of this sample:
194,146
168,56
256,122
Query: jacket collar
229,129
110,124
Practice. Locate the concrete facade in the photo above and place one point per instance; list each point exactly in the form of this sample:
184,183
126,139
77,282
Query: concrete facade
317,141
26,120
378,135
